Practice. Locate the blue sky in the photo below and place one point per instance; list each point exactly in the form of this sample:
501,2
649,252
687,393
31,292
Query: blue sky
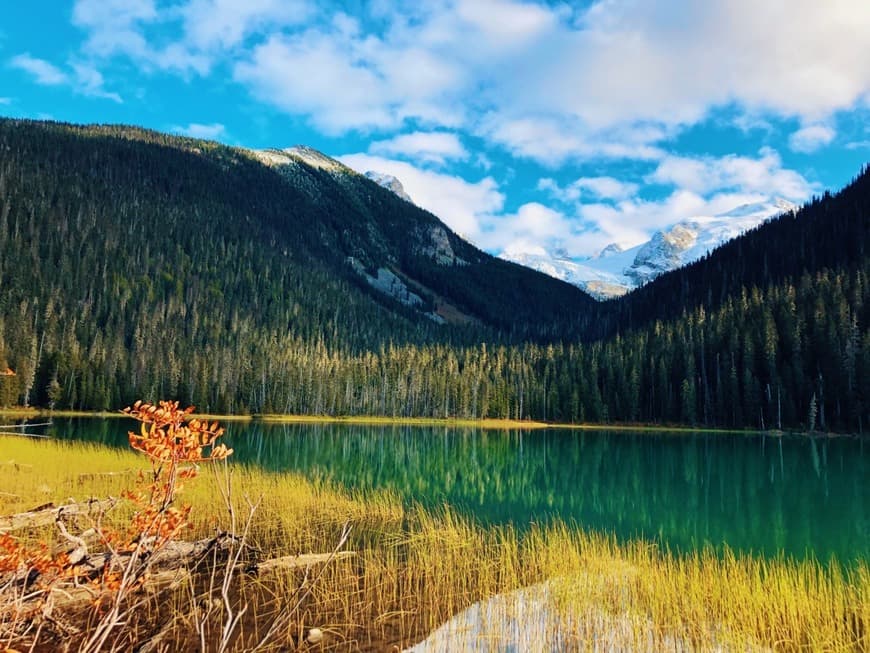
522,125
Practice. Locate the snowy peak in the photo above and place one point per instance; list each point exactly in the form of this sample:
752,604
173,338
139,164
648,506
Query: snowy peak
771,208
610,250
390,183
615,271
692,239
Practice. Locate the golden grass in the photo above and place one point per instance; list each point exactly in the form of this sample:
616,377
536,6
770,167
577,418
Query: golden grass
415,568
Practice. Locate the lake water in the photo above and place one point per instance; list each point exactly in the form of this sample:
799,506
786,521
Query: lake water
792,494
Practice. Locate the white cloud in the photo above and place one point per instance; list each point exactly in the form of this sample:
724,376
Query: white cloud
213,24
5,100
42,71
553,141
89,81
506,24
606,188
115,26
811,138
315,74
705,175
475,210
419,68
85,79
858,145
464,206
533,228
211,131
342,79
425,147
669,64
613,80
671,61
546,141
538,229
207,29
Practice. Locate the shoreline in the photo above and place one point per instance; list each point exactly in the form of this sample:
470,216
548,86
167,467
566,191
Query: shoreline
376,420
450,422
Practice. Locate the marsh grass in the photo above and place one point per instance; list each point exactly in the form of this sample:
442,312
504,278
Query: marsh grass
414,569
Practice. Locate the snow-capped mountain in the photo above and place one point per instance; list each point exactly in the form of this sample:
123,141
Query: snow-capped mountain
390,183
615,271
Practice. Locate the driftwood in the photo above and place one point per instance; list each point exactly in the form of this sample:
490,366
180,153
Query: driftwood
151,570
49,514
168,568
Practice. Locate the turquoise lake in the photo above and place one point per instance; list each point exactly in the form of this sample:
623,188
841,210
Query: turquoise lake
796,495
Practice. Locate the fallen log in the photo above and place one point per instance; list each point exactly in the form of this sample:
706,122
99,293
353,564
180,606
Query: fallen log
51,514
173,567
180,554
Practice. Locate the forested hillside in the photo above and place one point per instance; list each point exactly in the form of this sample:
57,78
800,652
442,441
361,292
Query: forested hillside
134,264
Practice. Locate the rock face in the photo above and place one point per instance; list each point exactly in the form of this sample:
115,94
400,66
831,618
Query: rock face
610,250
435,244
615,271
303,153
664,251
387,282
390,183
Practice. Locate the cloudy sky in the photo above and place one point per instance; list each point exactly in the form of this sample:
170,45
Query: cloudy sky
521,124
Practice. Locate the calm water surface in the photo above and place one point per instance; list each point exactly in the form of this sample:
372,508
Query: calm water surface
792,494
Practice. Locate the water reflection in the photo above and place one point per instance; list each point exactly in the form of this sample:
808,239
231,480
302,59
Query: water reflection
754,493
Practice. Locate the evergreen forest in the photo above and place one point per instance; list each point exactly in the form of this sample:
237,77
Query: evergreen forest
135,264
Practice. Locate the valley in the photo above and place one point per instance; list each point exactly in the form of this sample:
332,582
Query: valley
433,428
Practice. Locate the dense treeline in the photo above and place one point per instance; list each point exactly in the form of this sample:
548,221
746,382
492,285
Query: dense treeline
134,264
788,356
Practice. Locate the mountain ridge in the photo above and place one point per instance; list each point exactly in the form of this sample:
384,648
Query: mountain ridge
616,271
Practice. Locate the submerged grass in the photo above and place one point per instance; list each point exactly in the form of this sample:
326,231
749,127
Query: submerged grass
414,569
